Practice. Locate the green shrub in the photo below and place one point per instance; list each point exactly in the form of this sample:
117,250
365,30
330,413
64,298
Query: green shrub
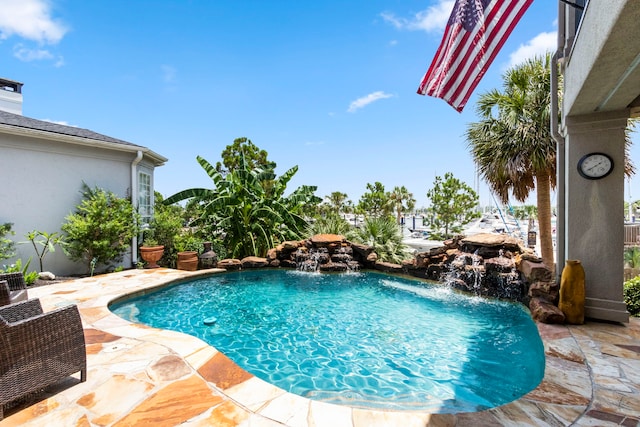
331,223
29,276
6,245
166,228
101,229
632,257
385,235
631,291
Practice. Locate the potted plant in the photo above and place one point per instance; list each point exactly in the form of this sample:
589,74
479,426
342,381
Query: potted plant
187,246
150,250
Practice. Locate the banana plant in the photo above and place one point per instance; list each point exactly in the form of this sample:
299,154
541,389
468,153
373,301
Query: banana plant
247,206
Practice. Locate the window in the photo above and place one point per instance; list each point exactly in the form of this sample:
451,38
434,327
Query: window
145,208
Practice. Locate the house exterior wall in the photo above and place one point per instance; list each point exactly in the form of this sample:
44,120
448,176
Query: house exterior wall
594,224
41,184
601,87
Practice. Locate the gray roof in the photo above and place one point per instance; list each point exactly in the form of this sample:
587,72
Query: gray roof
18,120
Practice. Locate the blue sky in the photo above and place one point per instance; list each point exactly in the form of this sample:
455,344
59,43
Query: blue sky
327,85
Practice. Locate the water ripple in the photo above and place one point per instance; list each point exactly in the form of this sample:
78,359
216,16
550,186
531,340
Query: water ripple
365,339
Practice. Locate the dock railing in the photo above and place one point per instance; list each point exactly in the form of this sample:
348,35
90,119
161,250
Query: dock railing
632,235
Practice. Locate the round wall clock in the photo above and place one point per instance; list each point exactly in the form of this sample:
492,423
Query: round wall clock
595,165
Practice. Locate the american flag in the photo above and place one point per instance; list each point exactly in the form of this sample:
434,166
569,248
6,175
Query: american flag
475,32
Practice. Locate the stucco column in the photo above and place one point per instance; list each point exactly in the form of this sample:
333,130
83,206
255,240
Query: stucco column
594,221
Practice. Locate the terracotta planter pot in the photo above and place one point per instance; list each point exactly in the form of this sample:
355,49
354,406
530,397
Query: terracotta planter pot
152,254
188,260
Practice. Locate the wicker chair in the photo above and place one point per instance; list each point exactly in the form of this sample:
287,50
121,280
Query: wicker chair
38,349
13,289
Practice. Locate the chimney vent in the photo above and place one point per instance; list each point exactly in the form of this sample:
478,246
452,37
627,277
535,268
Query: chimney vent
10,96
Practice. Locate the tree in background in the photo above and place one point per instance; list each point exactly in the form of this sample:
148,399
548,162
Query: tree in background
375,201
453,204
329,216
233,154
402,200
338,202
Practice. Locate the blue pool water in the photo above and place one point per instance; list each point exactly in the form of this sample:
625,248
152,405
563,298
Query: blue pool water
364,339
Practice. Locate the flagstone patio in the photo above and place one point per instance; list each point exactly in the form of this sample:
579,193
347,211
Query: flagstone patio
139,375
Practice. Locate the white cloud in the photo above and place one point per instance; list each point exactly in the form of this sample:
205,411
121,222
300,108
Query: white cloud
366,100
58,122
25,54
30,19
537,46
433,18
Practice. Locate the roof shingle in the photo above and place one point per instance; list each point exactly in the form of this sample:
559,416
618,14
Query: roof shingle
17,120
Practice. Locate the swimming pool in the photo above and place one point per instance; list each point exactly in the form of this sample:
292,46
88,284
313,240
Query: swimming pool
364,340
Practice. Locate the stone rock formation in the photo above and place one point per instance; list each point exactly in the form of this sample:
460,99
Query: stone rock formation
492,265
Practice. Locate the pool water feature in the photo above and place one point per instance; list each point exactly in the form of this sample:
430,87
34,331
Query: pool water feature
359,339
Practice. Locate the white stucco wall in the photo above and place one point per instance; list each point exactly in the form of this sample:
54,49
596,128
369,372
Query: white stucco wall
40,185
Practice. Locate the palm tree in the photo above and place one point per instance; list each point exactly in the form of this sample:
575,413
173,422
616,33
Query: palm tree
384,235
402,200
248,207
512,143
337,201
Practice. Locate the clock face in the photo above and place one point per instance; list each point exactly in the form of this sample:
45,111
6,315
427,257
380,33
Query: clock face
595,165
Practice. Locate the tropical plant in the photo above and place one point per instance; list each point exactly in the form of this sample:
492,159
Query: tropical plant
101,229
248,208
402,200
331,223
453,204
375,201
631,292
384,235
512,143
29,277
632,257
6,245
47,242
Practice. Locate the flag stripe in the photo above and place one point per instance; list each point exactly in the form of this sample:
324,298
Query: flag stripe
428,79
498,34
501,34
463,57
472,55
469,55
461,44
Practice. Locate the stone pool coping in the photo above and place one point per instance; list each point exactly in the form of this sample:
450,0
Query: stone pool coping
142,375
